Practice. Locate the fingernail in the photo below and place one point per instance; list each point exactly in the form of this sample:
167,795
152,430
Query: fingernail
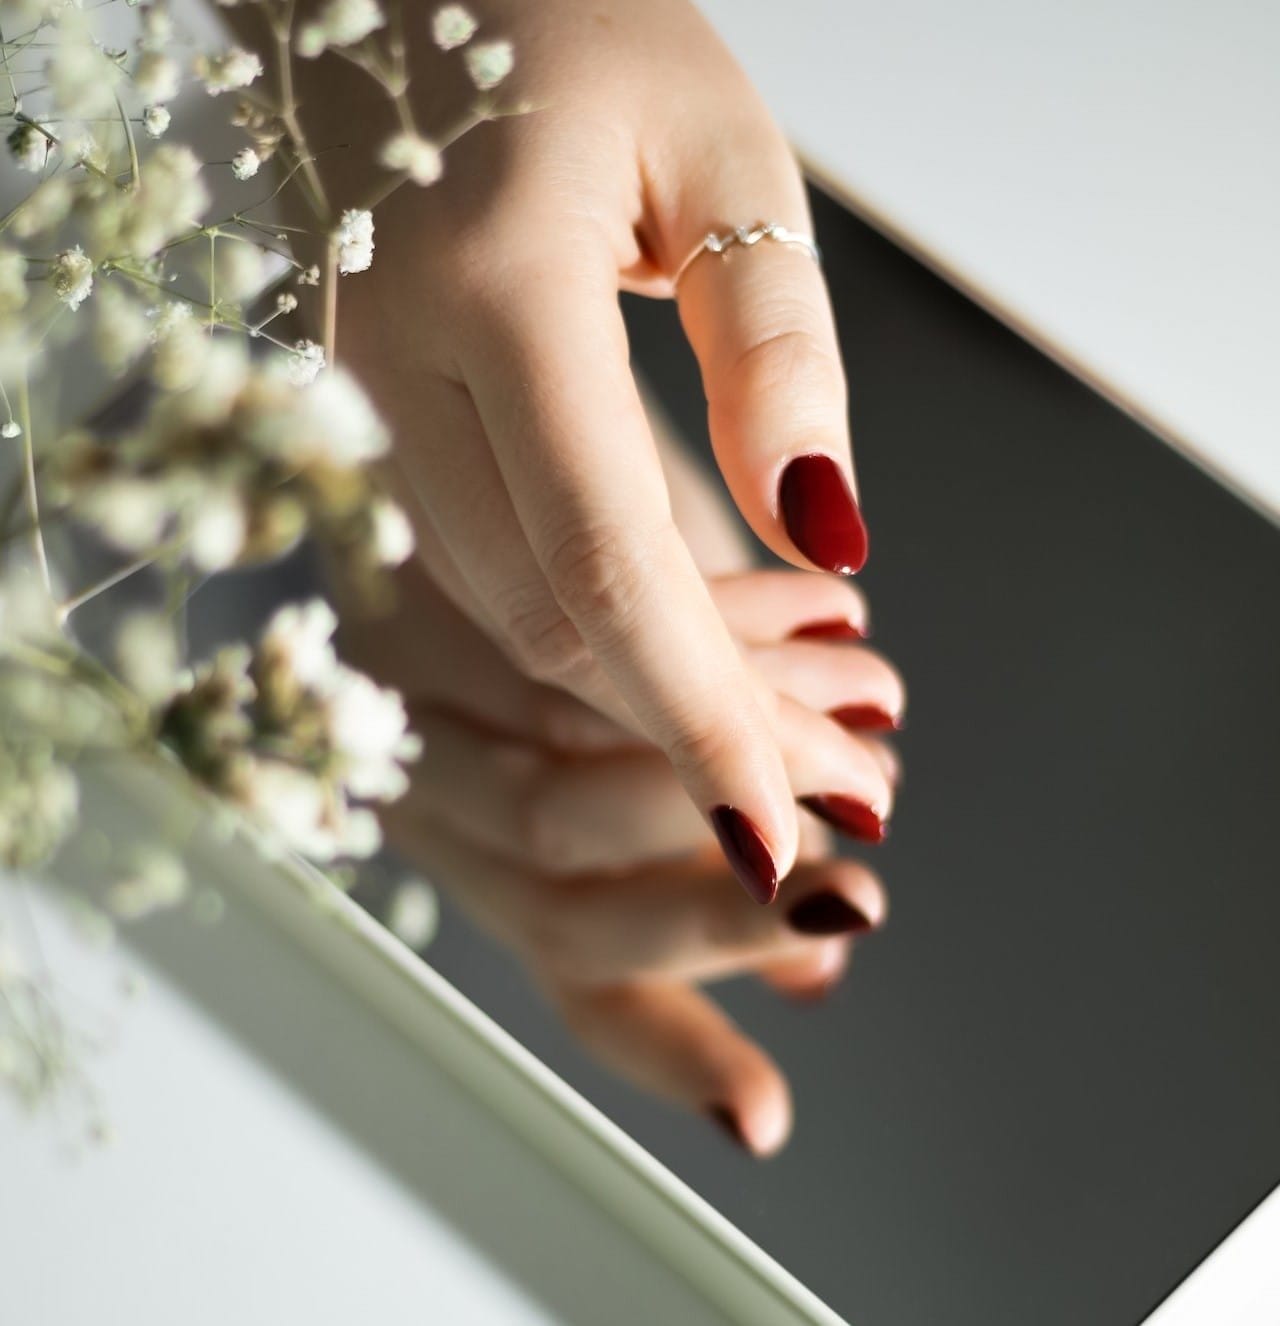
725,1118
849,815
835,628
821,516
745,849
827,914
866,718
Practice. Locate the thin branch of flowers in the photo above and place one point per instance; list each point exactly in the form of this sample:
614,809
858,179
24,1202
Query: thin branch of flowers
235,459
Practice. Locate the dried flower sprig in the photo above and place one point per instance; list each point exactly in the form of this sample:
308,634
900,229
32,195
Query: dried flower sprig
251,438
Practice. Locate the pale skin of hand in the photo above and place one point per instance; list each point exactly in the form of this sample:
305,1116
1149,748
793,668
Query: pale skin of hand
570,839
489,334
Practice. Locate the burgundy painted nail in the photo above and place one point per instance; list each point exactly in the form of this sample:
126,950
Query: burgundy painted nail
746,851
866,718
820,514
728,1120
827,914
836,628
849,815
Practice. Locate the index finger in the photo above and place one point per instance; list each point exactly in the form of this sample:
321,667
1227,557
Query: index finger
550,376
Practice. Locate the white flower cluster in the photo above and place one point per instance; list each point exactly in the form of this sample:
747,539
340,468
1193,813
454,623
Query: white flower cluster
488,63
452,26
71,274
339,23
294,737
39,798
245,164
238,464
354,241
30,146
419,159
228,71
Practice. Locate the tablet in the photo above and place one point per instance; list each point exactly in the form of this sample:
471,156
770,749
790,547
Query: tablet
1050,1088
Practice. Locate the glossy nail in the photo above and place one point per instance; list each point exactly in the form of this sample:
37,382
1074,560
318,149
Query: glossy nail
849,815
827,913
747,852
835,628
821,515
866,718
725,1118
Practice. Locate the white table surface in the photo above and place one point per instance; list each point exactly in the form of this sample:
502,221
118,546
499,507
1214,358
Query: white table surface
282,1154
1104,174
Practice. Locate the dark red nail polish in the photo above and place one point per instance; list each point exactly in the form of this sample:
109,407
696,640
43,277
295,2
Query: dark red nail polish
836,628
723,1116
746,851
821,516
849,815
866,718
827,914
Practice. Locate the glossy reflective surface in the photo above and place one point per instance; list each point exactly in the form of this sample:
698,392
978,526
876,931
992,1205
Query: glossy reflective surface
1052,1083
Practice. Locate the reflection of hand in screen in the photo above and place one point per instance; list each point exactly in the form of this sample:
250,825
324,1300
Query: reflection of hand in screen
569,838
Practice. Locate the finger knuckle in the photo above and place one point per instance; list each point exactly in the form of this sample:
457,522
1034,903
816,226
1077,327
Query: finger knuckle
599,572
542,642
786,356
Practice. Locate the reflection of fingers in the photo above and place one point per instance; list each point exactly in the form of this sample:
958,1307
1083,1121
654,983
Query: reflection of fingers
675,921
555,816
440,658
763,607
834,775
859,689
887,758
811,975
673,1041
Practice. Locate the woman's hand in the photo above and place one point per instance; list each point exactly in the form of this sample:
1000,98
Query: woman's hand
572,842
488,332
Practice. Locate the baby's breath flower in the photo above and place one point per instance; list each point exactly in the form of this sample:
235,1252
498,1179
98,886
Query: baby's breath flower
413,154
339,23
81,78
245,164
240,273
309,276
83,147
10,429
156,881
413,914
181,347
128,512
44,208
71,274
216,529
155,120
157,27
392,533
168,201
122,329
13,281
157,77
286,301
226,72
147,655
488,63
354,238
305,362
452,25
29,148
39,802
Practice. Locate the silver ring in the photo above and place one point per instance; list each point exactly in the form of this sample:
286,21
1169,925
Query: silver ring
746,237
